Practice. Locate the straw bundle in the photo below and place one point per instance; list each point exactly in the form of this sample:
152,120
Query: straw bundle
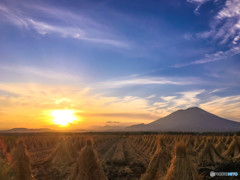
233,150
220,147
181,167
88,166
63,154
210,155
159,163
21,162
5,170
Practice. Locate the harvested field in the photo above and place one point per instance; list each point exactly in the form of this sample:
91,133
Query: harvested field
59,156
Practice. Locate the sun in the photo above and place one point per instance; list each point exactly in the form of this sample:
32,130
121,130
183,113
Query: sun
63,117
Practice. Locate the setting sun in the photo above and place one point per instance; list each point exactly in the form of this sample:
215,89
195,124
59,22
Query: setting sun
63,117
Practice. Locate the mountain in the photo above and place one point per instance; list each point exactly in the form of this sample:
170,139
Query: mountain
26,130
193,119
107,128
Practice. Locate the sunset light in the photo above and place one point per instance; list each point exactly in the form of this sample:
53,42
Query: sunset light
101,90
63,117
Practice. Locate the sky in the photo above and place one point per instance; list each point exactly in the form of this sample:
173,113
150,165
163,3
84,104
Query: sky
117,63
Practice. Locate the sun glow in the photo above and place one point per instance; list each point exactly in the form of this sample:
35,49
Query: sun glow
63,117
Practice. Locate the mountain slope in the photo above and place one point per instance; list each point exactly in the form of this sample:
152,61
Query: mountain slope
190,120
25,130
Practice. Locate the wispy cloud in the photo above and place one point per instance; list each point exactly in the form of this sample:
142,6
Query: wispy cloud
199,3
224,31
227,107
121,115
180,100
93,108
217,90
184,99
112,122
217,56
151,96
138,80
33,71
231,9
61,22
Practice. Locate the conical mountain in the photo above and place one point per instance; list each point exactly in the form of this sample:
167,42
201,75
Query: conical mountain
190,120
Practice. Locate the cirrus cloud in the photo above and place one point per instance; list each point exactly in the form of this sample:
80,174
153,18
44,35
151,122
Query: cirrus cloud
61,23
224,30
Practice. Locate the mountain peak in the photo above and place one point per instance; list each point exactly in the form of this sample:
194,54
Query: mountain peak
195,108
193,119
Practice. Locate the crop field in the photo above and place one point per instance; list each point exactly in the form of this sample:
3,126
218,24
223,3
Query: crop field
58,156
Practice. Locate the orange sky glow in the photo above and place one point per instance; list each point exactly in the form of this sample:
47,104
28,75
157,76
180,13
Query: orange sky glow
31,105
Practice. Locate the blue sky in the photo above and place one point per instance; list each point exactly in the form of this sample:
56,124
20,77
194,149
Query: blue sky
158,55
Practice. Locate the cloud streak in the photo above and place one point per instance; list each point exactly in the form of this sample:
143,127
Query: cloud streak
121,115
33,71
181,100
227,107
199,3
224,31
93,108
217,56
60,23
134,81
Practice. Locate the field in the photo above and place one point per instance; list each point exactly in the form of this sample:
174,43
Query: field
71,156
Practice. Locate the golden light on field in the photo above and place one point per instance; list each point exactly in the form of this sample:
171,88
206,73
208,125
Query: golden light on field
63,117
